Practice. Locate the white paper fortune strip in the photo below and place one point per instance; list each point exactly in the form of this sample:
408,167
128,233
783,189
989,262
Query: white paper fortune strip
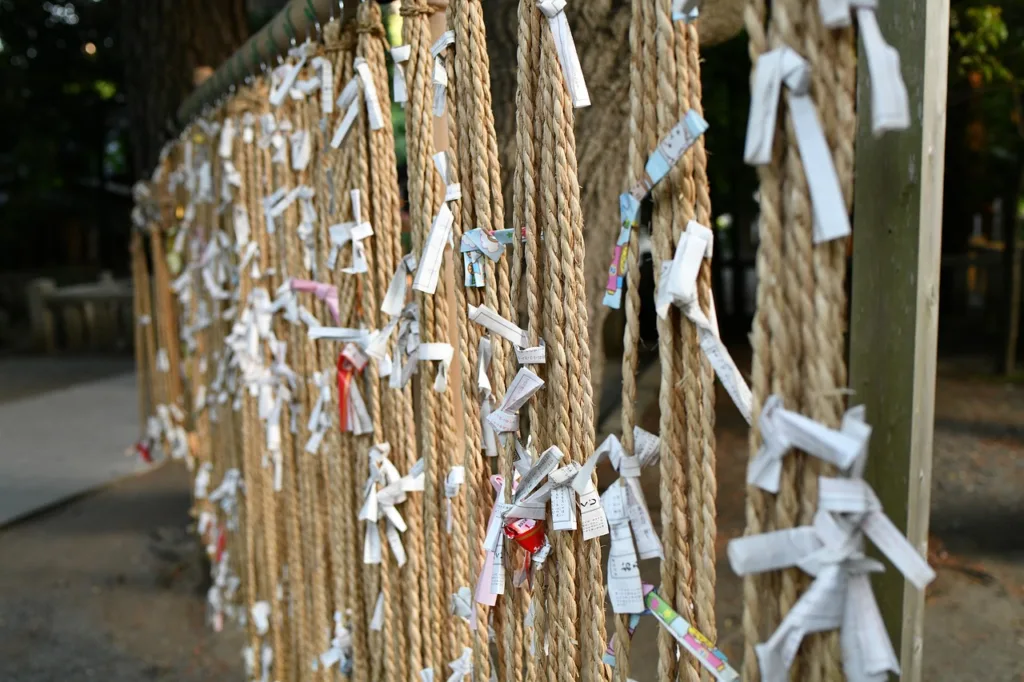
349,101
355,231
505,419
890,107
679,286
554,10
489,319
433,252
783,65
373,111
782,430
401,55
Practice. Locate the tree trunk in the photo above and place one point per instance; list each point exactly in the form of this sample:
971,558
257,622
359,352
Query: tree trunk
164,42
600,30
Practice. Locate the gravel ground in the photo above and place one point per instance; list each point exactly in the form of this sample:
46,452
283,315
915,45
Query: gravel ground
110,588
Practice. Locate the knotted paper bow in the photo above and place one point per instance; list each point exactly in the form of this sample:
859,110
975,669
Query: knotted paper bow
489,439
440,235
890,107
442,353
783,65
462,667
352,412
678,286
260,614
226,496
341,647
491,581
832,550
355,231
505,419
378,503
782,430
287,75
554,10
840,597
452,484
394,299
328,293
406,347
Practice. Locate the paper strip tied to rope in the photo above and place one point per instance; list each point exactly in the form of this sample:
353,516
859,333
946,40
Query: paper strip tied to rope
354,231
382,502
401,55
440,72
832,551
669,150
554,10
784,65
352,413
686,11
328,293
505,419
678,286
890,106
319,421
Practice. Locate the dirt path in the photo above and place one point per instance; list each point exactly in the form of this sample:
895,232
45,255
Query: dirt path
109,588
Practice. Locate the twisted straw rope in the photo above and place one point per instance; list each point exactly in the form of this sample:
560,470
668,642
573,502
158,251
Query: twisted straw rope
463,158
832,59
704,562
526,218
457,540
425,195
385,251
296,515
244,159
758,616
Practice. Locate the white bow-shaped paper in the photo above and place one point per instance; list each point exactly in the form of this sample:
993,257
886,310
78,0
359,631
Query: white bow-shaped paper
378,503
505,419
226,496
678,286
442,353
832,550
373,110
341,647
554,10
354,231
782,429
462,667
784,65
285,76
890,107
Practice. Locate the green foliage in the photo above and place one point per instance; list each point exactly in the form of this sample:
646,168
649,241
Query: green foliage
979,38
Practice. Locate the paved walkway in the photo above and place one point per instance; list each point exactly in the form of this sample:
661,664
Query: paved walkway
61,441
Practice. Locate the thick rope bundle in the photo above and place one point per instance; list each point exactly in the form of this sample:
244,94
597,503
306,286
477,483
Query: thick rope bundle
799,330
436,424
574,612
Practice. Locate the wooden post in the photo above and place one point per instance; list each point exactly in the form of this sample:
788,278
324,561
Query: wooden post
894,312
